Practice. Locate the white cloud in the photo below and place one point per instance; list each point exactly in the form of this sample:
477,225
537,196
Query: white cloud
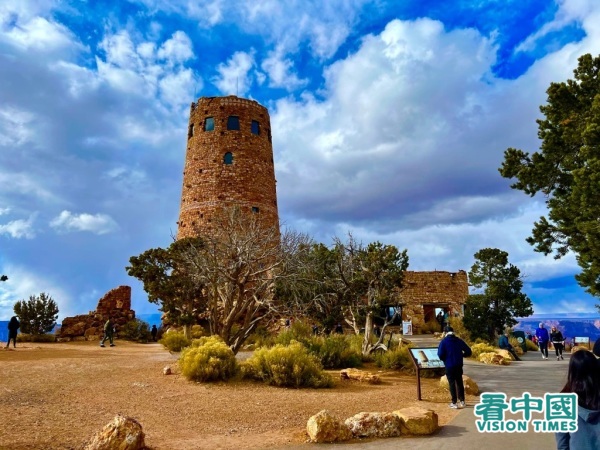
19,228
280,72
15,126
178,49
233,75
4,211
39,34
95,223
22,283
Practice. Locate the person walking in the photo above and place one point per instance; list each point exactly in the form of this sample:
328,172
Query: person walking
558,341
109,330
583,379
504,344
13,329
542,340
154,332
451,351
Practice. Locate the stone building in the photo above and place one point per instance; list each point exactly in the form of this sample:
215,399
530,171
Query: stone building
115,304
423,293
228,162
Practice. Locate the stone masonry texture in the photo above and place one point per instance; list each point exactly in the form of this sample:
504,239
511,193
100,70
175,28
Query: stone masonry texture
227,168
115,304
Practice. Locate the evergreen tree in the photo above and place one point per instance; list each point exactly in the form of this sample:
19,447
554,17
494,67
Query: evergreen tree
37,315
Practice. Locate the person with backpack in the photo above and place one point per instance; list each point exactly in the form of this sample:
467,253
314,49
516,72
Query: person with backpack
13,329
109,330
451,350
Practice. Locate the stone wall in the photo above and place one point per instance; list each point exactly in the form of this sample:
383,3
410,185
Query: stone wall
422,292
212,181
115,304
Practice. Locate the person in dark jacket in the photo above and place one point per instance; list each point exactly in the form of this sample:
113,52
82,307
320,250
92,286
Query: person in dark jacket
558,341
542,340
451,350
109,330
504,344
584,380
154,332
13,329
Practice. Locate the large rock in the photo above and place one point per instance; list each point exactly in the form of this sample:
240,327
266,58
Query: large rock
123,433
505,354
471,387
494,358
359,375
417,421
373,424
324,427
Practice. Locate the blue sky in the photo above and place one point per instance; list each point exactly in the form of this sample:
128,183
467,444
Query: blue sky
389,120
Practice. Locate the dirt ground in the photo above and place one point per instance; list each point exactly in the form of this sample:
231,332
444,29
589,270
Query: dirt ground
56,396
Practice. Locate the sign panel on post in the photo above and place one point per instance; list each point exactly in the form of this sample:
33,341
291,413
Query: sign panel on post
424,358
407,327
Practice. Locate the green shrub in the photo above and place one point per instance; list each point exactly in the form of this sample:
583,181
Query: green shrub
299,331
208,359
397,358
336,353
135,330
197,331
459,328
480,348
261,338
431,326
531,345
288,366
174,341
23,337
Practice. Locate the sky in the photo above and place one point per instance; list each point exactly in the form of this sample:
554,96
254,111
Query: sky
389,120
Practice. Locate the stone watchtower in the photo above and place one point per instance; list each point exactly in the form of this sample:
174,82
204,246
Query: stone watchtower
228,162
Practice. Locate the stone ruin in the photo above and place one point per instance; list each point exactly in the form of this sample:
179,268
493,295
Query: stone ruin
116,304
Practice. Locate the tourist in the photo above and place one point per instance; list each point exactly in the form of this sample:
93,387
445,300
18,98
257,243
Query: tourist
504,344
596,349
558,341
583,379
451,350
13,327
315,329
339,329
154,332
440,320
109,331
446,319
542,340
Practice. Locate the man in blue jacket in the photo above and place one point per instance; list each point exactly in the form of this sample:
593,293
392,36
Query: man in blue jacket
504,344
543,338
451,350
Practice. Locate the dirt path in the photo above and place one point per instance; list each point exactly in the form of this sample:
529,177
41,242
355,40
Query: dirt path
55,396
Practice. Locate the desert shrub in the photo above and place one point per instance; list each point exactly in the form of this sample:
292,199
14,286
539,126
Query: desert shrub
197,331
208,359
431,326
288,366
335,353
299,331
261,338
174,341
135,330
531,345
480,348
459,328
397,358
24,337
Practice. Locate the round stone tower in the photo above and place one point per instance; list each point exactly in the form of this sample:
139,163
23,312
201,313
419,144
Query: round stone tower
228,162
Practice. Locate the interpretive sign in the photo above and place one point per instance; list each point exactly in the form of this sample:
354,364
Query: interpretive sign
424,358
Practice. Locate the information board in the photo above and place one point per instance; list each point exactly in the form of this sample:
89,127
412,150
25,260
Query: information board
426,358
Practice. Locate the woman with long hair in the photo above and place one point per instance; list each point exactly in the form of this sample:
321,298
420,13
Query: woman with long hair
584,380
13,326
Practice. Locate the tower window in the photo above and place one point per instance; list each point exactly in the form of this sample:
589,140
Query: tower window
233,123
269,134
191,130
209,124
228,158
255,209
255,127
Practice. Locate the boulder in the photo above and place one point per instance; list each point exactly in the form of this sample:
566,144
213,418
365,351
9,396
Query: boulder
167,370
123,433
493,358
359,375
471,387
417,421
505,354
324,427
373,424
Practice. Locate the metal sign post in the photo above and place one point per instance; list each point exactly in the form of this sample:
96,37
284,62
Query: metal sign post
424,358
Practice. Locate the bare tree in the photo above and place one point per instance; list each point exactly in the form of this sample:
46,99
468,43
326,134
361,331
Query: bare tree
237,267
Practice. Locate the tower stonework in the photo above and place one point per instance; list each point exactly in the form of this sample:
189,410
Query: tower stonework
228,163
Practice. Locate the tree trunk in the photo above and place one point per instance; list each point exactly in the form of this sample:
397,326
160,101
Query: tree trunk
187,331
367,347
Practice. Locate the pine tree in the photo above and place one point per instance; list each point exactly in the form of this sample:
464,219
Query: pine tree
37,315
